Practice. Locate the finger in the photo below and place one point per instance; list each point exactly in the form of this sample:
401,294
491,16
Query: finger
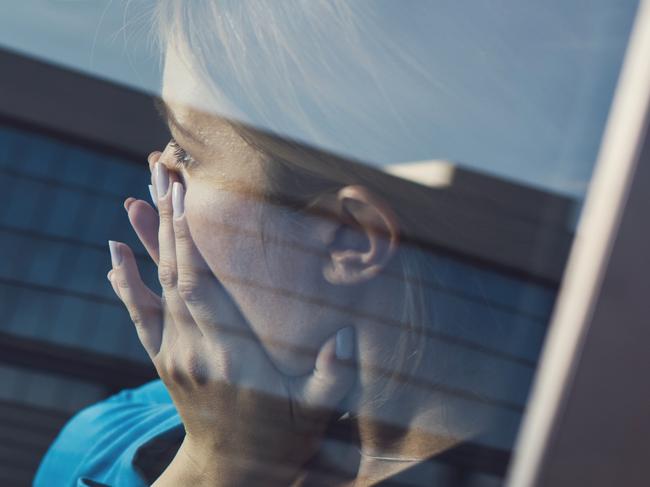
144,220
127,202
207,301
152,194
331,380
167,266
152,158
142,304
113,283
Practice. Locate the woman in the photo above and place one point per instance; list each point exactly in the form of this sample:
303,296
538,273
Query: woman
294,336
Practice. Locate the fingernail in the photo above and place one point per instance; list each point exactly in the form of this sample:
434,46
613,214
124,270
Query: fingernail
153,195
162,179
127,203
345,343
177,199
153,157
108,276
116,255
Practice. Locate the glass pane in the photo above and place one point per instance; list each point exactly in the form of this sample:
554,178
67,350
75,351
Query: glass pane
357,220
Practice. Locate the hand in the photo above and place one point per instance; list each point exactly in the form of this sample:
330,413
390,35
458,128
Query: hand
243,419
143,217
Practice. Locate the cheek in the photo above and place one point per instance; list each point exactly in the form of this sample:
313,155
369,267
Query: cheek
224,227
269,284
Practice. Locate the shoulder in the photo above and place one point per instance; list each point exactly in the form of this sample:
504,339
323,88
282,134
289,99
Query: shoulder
101,441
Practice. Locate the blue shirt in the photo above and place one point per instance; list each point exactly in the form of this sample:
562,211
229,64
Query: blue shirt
128,439
125,440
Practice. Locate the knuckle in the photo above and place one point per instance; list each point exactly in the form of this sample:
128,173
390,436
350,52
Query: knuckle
175,372
167,274
122,283
325,382
136,318
182,232
196,369
162,367
165,212
188,287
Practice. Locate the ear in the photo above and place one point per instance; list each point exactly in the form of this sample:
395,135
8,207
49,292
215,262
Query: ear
363,239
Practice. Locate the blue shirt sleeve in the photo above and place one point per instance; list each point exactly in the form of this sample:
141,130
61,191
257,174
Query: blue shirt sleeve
99,444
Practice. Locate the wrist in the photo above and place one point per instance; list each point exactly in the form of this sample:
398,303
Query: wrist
187,468
199,466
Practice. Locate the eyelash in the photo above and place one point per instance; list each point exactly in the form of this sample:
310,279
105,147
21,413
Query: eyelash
182,158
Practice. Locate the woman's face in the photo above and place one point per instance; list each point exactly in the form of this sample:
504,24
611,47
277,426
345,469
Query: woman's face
272,263
278,286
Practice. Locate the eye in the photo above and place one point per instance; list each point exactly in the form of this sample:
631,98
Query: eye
182,158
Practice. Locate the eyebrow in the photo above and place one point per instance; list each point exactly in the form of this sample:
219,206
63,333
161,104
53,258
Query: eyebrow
168,117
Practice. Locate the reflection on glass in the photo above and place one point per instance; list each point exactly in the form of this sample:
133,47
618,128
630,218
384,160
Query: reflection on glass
326,296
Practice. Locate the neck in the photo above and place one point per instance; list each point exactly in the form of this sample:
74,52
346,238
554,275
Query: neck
371,455
378,466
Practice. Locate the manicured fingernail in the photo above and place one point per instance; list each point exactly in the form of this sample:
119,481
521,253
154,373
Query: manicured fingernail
127,203
345,343
178,202
116,255
108,276
153,195
162,179
153,157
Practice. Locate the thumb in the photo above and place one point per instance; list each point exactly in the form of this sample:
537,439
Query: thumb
332,379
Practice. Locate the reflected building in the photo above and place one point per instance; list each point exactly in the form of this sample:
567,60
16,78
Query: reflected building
73,147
